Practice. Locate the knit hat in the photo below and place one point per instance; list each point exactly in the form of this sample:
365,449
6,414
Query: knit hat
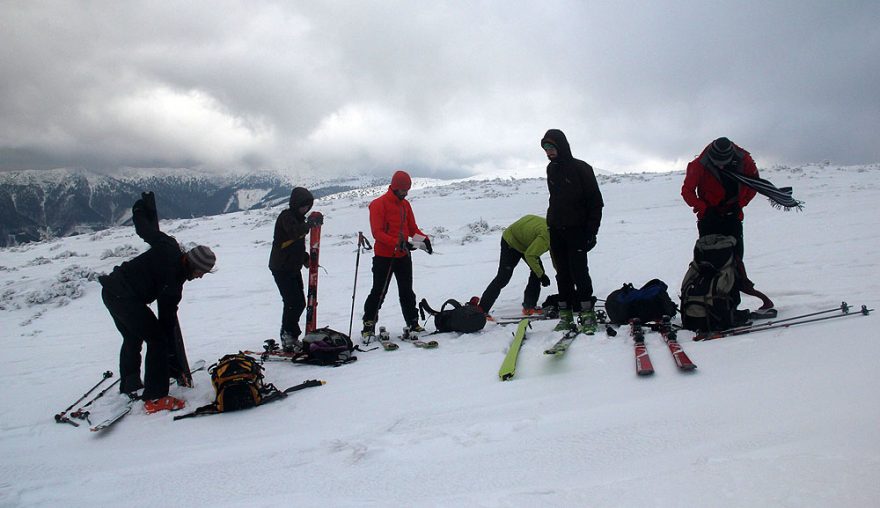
201,258
401,181
721,152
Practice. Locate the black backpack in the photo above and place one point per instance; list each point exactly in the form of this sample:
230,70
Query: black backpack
467,318
326,346
648,303
710,289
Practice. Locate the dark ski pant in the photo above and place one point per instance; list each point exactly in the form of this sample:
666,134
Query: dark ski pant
568,250
510,257
730,225
290,285
137,324
383,269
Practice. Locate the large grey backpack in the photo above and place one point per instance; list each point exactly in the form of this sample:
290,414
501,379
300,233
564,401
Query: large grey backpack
710,289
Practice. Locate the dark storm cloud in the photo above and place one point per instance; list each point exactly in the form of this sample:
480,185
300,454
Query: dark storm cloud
439,87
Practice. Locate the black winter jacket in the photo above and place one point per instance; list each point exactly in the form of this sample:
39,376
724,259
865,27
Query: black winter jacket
288,243
575,199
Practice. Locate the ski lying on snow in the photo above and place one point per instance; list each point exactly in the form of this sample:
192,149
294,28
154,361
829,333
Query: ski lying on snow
681,358
128,405
508,366
561,346
644,367
413,338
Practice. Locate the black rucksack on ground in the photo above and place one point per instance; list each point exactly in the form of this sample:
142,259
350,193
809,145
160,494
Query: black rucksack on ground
326,346
467,318
649,303
710,289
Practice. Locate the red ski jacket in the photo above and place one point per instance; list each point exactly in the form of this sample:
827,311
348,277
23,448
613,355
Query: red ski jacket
702,189
392,221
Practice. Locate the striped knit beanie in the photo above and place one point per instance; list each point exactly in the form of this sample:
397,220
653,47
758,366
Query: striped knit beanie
201,258
721,152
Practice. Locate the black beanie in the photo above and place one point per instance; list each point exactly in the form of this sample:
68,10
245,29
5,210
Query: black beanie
721,152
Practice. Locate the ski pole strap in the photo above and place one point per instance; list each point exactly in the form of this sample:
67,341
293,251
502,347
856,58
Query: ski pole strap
363,242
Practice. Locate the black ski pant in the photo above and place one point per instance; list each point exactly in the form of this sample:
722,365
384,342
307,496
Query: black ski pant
137,324
510,257
568,250
383,269
290,285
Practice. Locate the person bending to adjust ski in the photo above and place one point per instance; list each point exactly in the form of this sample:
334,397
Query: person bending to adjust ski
393,225
156,275
527,239
573,218
286,261
718,199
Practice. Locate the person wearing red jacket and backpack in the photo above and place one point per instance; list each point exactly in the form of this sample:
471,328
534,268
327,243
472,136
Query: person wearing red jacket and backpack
718,198
394,225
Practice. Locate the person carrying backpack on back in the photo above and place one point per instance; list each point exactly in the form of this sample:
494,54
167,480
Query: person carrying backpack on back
526,239
393,225
156,275
287,259
717,187
573,218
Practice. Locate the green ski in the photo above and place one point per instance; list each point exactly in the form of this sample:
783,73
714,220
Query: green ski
508,366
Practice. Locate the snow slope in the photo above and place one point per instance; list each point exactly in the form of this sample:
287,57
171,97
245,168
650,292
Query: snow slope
782,418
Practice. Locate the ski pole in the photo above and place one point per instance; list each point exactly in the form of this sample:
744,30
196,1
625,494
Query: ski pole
864,311
844,307
362,242
62,416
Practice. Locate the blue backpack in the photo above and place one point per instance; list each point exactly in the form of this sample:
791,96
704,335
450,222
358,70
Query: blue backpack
648,303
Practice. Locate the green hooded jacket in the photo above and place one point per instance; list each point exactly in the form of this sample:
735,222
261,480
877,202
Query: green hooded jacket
529,236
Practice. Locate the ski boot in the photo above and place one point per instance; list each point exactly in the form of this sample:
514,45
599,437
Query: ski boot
369,332
566,318
166,403
290,344
587,320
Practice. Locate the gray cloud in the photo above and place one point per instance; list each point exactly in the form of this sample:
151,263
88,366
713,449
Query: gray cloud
440,88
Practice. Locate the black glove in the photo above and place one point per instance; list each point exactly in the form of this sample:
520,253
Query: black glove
306,259
545,281
315,221
591,242
405,246
428,248
146,206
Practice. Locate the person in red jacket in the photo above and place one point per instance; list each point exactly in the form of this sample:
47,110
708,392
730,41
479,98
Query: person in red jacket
718,199
394,225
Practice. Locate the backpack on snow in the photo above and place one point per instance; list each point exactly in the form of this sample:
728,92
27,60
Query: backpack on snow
326,346
710,289
238,383
467,318
649,303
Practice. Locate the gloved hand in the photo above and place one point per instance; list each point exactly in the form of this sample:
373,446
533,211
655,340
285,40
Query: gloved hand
315,221
428,248
545,281
306,259
147,206
404,245
591,242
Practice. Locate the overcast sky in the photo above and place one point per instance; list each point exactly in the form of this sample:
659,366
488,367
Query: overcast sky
438,88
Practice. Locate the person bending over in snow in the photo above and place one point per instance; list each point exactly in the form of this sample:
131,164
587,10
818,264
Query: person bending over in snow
527,238
396,234
286,261
573,218
718,198
156,275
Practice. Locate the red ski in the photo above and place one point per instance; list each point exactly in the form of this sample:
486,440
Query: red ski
644,367
314,251
678,354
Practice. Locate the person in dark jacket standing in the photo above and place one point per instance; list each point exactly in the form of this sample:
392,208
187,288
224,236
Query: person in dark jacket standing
287,259
394,227
718,199
573,218
156,275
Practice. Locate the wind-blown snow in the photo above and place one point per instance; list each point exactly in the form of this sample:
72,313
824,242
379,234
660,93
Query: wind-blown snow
779,418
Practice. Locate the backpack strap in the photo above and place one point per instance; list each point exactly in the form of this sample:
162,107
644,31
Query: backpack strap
423,307
451,302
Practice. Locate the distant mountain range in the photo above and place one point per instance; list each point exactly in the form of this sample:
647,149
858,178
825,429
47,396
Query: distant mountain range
36,205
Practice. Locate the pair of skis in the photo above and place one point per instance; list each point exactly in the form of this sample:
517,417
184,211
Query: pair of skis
644,367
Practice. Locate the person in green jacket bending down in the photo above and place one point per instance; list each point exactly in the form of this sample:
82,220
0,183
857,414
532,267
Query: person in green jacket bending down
527,239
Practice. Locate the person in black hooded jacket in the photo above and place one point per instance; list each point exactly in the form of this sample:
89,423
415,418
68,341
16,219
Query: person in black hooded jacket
287,259
573,218
156,275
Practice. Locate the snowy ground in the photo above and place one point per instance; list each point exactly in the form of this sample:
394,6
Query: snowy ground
781,418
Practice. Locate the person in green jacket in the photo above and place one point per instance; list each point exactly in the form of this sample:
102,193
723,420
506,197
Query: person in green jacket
527,239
